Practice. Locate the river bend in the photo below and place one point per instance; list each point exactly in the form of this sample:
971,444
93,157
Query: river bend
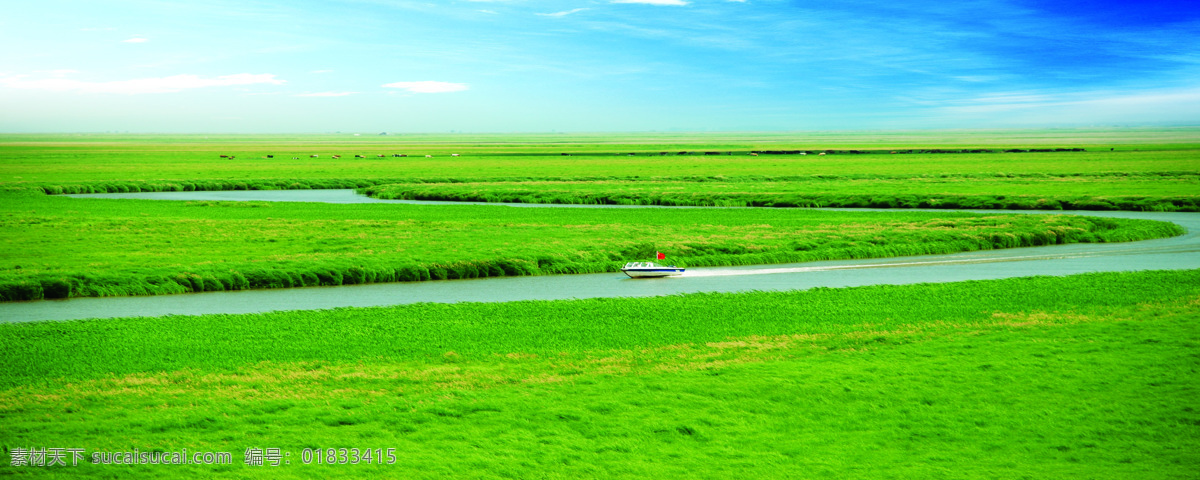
1181,252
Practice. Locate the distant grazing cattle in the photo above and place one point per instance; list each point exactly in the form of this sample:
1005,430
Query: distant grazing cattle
429,156
381,156
752,154
821,154
270,156
337,157
359,156
453,154
224,156
313,156
804,153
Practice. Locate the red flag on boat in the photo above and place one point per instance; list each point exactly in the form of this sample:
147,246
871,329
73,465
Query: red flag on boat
660,255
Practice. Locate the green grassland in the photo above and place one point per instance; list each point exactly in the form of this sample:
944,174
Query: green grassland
66,247
87,164
1076,192
60,248
1083,376
1134,169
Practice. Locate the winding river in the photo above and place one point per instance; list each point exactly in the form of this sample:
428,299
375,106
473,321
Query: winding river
1181,252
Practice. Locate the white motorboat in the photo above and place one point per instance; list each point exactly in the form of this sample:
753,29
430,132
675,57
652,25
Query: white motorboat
650,270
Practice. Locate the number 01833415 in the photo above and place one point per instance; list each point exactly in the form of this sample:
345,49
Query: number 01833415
348,456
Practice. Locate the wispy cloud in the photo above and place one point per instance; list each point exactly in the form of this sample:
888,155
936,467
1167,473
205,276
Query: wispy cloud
1000,102
653,2
170,84
326,94
863,63
62,72
1081,107
976,78
428,86
561,14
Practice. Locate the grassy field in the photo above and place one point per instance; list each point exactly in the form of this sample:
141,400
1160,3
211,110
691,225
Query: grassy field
67,247
94,165
213,246
1133,169
1103,192
1083,376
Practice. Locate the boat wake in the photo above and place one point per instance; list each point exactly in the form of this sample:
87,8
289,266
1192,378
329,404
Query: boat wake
727,271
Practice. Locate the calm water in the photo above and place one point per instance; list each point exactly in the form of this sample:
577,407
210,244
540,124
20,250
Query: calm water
1173,253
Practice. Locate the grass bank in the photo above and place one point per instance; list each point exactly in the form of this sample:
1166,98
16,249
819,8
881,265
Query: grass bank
1131,191
1082,376
1146,192
65,247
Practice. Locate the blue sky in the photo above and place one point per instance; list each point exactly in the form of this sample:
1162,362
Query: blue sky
600,65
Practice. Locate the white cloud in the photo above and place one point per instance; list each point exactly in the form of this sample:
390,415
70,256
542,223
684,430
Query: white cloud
326,94
135,40
428,86
561,14
170,84
653,2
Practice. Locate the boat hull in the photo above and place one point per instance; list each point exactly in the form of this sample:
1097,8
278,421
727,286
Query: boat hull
652,272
